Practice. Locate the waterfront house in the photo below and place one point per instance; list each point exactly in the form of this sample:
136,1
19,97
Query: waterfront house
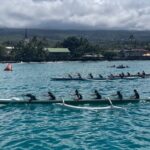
58,53
9,49
134,53
92,57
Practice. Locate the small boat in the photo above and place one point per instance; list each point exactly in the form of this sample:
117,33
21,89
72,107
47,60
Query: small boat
122,67
72,102
8,67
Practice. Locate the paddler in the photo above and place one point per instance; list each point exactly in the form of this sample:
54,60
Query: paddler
90,75
143,73
79,75
119,95
136,94
122,75
70,76
51,96
31,96
97,95
111,76
78,96
128,74
139,74
100,76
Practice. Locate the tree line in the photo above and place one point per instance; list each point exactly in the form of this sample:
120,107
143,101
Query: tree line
34,49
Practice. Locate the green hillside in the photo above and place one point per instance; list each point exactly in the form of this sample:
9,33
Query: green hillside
59,35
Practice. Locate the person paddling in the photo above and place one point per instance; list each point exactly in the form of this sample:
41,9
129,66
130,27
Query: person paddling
70,76
139,74
143,74
111,76
120,97
136,94
79,75
91,76
78,96
97,94
128,74
51,96
122,75
100,76
31,96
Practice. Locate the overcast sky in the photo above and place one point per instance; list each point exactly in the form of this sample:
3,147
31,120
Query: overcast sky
76,14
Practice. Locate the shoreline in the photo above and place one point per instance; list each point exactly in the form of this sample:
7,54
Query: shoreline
96,60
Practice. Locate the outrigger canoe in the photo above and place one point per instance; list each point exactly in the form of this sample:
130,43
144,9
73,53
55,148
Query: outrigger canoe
73,102
93,79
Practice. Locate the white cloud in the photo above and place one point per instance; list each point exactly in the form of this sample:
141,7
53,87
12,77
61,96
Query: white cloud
94,14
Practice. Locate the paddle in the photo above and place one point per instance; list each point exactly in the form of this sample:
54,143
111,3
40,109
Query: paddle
110,102
63,101
112,106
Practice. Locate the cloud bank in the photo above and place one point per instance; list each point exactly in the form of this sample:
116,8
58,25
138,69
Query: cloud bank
76,14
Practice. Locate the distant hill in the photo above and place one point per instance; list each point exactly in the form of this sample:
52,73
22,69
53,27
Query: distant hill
54,36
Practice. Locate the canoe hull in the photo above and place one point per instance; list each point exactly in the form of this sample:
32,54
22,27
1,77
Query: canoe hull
98,79
68,79
71,102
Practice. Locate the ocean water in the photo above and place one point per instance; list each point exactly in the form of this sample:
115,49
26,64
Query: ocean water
47,127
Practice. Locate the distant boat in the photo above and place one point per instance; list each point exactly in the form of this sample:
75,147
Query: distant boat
122,67
8,67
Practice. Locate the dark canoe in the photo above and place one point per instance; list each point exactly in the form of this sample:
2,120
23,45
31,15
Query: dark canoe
93,79
72,102
131,77
122,67
68,79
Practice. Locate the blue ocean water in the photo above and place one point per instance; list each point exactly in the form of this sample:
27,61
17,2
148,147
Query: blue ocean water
47,127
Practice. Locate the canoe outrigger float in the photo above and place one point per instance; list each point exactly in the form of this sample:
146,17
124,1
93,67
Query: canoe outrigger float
91,108
73,102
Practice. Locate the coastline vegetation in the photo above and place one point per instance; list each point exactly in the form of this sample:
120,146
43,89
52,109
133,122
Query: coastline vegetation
32,48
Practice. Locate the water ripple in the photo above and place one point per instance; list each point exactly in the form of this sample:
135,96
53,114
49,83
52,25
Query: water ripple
53,127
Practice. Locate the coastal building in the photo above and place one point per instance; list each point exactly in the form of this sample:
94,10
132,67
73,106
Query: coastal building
133,53
9,49
58,53
92,57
